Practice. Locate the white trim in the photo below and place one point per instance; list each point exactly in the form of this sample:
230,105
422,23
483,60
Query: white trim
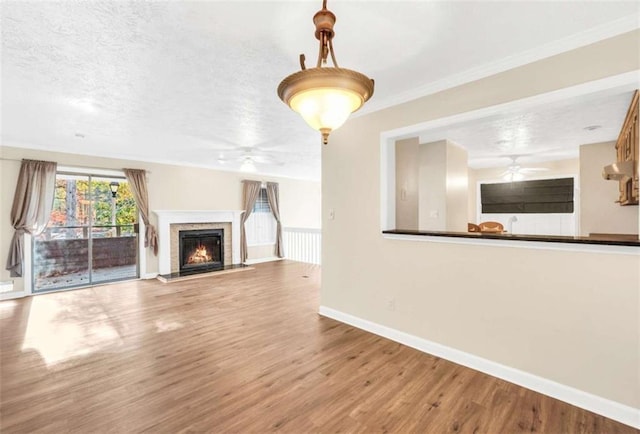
95,152
91,171
167,217
605,407
261,244
302,230
27,265
610,85
387,183
142,251
146,276
627,81
12,295
599,33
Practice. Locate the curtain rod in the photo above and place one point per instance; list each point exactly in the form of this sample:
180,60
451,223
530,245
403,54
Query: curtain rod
23,159
19,160
258,180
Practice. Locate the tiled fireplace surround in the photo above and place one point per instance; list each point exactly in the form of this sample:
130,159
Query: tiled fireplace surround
171,222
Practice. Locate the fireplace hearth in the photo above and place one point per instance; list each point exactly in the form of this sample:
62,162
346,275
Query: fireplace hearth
201,250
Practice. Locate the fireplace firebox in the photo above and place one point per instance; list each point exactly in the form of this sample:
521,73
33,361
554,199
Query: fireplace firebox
201,250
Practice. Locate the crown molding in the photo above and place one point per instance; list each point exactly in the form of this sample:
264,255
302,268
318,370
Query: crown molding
596,34
7,143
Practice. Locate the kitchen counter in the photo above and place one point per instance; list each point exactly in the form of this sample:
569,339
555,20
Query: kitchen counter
602,239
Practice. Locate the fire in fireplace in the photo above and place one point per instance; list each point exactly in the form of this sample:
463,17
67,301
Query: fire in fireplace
201,249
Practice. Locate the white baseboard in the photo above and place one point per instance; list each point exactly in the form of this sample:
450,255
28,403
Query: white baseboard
605,407
148,276
12,294
261,260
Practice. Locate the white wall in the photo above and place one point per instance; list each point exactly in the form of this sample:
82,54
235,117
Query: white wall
407,169
560,315
472,187
598,210
457,188
535,224
442,187
170,188
300,209
432,186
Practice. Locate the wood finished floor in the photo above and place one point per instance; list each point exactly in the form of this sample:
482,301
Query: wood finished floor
240,353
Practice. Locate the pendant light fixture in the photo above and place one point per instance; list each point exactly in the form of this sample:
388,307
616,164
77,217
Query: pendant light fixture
325,96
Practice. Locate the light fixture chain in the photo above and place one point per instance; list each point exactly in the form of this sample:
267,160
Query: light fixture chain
333,56
321,51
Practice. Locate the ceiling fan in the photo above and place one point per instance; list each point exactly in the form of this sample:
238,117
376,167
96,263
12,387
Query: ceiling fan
515,172
249,158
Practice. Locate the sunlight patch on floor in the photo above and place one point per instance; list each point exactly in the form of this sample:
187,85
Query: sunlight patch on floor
60,328
167,326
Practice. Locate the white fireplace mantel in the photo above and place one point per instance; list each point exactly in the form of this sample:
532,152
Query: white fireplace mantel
167,218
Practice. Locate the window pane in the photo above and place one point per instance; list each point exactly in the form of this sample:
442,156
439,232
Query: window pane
90,237
114,257
60,258
71,205
103,202
114,242
261,229
262,203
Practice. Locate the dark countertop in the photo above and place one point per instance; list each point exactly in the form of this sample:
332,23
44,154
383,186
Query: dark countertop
602,240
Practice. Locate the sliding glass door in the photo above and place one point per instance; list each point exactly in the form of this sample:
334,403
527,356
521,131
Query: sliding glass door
91,236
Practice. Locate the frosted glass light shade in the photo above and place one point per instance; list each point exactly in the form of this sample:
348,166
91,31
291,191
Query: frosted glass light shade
248,165
325,108
513,176
325,97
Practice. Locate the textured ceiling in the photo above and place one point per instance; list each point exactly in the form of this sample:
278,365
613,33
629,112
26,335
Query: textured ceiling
545,133
194,82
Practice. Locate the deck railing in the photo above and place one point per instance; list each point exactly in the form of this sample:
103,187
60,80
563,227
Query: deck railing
63,257
303,244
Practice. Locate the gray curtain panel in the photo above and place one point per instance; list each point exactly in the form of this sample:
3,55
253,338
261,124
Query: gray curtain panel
138,181
32,205
273,195
250,193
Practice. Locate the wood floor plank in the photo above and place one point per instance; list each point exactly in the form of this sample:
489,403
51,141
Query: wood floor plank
243,353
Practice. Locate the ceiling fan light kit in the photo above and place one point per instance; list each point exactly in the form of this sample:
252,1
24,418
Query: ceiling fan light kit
513,176
325,96
248,165
515,172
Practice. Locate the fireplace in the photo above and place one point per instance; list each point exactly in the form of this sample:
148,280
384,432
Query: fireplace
170,223
201,250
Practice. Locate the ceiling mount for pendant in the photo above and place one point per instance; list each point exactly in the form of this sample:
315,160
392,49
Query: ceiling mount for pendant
325,96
